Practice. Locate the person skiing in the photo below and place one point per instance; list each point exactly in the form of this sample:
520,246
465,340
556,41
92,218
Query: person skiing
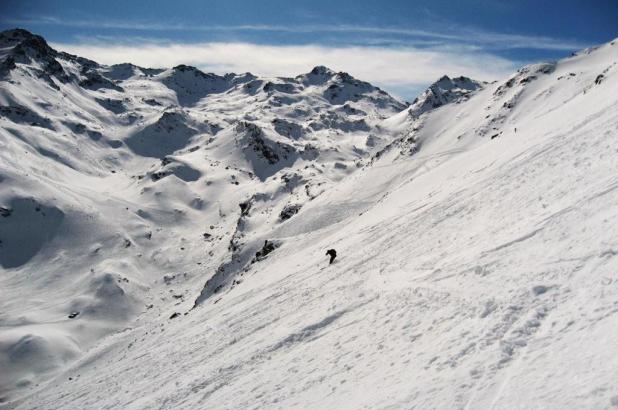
333,255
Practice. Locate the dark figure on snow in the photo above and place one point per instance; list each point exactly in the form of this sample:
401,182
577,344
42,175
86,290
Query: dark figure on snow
333,255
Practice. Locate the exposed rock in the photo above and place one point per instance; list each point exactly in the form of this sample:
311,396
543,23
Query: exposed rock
289,211
268,248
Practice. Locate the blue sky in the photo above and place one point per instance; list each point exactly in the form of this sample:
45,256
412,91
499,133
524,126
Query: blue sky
399,45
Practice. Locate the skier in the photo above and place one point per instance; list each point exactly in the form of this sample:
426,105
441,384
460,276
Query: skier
333,255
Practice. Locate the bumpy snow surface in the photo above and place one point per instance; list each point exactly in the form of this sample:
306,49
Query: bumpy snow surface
163,236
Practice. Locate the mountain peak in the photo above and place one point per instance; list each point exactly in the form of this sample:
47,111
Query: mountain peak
25,44
14,36
447,83
184,67
445,90
322,71
21,46
318,75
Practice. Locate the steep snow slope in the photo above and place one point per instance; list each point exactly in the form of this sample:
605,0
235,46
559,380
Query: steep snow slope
477,260
442,92
123,190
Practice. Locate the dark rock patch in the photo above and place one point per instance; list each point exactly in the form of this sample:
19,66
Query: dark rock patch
289,211
268,248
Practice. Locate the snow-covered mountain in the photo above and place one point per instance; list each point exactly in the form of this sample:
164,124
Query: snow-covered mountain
163,235
444,91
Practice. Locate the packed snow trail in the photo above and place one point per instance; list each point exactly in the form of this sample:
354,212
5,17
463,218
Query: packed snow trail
480,272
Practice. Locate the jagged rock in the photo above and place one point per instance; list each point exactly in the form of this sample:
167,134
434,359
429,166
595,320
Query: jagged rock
254,136
245,207
318,75
270,87
443,91
288,128
409,145
23,115
113,105
94,81
268,248
289,211
525,75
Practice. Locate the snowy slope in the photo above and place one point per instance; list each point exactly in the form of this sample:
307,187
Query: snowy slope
121,187
477,260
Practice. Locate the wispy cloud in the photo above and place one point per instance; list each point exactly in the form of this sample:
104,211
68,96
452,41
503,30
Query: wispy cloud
399,70
457,35
402,60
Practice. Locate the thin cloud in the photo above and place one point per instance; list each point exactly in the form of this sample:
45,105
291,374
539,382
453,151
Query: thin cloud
395,69
458,35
